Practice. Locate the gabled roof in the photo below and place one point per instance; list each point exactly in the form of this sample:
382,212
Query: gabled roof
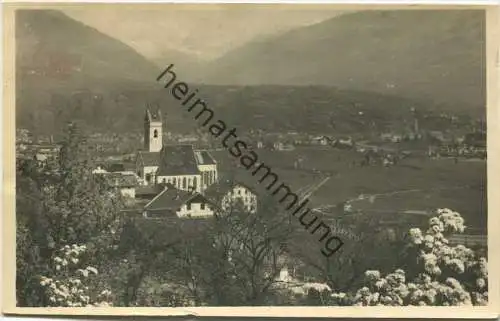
148,158
177,160
203,157
172,198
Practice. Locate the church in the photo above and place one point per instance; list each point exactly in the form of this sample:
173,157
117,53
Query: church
178,165
185,182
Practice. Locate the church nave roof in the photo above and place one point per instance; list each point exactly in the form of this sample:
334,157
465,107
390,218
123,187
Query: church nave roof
177,160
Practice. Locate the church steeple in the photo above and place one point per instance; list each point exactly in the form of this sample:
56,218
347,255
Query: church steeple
153,130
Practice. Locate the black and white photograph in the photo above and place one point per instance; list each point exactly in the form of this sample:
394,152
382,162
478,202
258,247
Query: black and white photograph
249,155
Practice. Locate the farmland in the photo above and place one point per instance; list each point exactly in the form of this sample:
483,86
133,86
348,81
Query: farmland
415,184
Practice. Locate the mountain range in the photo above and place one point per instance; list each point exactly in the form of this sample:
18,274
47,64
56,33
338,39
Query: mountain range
436,56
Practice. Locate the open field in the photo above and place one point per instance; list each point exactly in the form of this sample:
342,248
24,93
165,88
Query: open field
416,184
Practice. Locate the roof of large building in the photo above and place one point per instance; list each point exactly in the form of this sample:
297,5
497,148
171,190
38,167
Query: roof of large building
148,158
203,157
173,198
177,160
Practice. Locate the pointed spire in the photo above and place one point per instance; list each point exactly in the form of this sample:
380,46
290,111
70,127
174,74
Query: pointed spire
153,113
147,116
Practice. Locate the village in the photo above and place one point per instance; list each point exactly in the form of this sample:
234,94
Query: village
187,176
183,177
134,173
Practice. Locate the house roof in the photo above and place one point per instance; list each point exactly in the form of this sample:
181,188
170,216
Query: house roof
147,191
203,157
169,198
115,167
148,158
177,160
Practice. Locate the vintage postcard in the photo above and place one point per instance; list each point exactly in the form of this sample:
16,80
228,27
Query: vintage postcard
250,160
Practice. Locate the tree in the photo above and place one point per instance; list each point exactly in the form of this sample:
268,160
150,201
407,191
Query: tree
249,251
69,285
232,259
148,252
58,205
344,270
440,273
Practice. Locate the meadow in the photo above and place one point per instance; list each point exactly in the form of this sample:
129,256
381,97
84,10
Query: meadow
415,184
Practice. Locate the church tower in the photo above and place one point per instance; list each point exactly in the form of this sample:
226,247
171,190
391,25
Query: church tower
153,130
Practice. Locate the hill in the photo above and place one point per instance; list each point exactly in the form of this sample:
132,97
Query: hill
313,109
68,71
56,55
51,44
433,54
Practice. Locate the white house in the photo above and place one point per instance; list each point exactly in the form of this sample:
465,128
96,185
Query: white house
227,194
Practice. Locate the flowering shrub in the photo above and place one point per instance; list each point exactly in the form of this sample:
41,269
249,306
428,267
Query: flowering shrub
446,275
70,285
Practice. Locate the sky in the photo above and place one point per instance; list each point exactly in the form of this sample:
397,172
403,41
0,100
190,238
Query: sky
204,34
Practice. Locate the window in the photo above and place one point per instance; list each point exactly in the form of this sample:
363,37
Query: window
164,180
184,183
175,181
188,206
239,192
148,177
194,183
155,133
202,206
